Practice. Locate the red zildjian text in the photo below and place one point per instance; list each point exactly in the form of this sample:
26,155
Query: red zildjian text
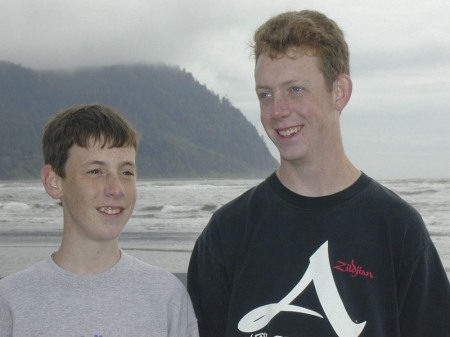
352,268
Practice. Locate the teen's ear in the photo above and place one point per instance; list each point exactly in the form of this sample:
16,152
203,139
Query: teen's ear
51,182
342,89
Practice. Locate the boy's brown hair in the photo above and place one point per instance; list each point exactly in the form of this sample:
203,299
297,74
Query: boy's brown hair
307,31
80,124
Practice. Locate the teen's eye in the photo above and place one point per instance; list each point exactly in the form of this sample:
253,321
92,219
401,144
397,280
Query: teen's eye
95,172
264,95
296,89
128,173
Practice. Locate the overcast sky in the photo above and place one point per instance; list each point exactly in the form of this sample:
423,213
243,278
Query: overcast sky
397,124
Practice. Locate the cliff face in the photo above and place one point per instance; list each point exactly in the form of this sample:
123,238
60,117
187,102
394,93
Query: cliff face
187,131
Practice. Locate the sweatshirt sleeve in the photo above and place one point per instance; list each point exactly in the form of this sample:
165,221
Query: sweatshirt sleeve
182,321
5,319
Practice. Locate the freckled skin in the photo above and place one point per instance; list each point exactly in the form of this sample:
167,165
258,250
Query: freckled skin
300,113
95,178
293,94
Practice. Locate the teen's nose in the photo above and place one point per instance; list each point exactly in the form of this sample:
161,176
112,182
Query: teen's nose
280,106
113,186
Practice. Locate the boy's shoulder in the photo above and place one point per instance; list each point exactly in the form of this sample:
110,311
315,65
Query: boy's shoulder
23,279
149,274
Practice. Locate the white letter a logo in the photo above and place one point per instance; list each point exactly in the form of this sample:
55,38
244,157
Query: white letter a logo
319,272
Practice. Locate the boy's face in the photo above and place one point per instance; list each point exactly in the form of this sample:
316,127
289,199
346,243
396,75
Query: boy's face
98,191
297,110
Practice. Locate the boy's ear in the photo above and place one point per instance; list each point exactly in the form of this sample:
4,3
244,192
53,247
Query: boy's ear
51,182
343,90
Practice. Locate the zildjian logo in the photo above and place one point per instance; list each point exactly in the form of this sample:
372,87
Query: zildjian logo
353,269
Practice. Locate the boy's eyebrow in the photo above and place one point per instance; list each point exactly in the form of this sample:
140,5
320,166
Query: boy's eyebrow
128,163
305,83
101,162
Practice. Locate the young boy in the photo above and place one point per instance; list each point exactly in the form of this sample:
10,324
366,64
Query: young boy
89,286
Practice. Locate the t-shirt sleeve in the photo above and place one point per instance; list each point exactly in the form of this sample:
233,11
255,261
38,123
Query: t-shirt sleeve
208,288
424,297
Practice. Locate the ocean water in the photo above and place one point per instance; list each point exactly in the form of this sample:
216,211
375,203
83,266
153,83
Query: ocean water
168,217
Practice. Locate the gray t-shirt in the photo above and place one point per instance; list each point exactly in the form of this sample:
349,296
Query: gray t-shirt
131,299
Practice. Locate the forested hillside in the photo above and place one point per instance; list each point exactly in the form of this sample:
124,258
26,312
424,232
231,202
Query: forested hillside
187,131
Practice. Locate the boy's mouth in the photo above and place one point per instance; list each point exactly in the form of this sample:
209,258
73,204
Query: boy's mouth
289,132
110,210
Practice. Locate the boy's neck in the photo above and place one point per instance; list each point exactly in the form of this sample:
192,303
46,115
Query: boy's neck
318,180
88,260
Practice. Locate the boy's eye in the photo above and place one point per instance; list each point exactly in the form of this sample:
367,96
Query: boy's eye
95,171
263,95
297,89
128,173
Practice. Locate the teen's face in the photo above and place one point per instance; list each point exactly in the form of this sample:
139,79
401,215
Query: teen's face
98,191
297,109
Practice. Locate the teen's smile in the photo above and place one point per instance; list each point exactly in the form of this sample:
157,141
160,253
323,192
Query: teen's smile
290,131
110,210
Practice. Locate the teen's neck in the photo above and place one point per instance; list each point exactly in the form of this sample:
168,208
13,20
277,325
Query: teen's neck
318,180
88,259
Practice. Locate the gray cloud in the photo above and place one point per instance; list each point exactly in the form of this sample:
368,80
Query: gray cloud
400,60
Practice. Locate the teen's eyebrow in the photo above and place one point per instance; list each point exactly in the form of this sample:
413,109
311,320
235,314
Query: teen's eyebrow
128,163
262,86
305,83
103,163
